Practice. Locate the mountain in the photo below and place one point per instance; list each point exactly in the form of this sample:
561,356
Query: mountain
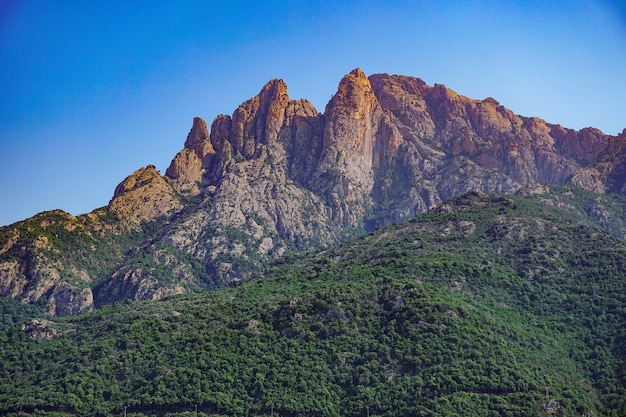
485,305
277,176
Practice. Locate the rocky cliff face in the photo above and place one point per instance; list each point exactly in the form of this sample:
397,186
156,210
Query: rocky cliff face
277,176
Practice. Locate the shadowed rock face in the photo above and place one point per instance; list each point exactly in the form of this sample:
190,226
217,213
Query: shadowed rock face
276,175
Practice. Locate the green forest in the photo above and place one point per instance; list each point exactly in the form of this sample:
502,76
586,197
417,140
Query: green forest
485,306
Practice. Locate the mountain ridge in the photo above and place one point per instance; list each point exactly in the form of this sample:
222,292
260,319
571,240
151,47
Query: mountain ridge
277,176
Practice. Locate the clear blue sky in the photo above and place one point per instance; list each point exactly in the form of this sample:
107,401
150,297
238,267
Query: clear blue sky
92,90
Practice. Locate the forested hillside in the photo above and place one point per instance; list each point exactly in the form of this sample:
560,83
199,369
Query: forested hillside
487,305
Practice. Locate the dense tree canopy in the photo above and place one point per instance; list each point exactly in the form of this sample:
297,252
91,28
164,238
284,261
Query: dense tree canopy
486,306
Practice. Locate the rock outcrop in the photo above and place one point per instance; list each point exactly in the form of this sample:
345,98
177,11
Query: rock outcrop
187,167
143,196
277,176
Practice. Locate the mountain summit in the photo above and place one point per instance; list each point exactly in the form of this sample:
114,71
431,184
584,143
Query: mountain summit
277,176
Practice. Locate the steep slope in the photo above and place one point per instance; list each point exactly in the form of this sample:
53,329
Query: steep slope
277,176
53,259
486,305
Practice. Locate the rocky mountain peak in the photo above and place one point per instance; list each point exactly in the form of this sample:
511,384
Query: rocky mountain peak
354,93
259,119
143,196
344,172
274,90
403,97
138,179
357,73
188,166
198,139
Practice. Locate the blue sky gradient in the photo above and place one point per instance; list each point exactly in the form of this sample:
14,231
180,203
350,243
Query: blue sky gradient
92,90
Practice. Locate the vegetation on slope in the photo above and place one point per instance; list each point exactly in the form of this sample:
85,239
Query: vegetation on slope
93,244
486,306
605,211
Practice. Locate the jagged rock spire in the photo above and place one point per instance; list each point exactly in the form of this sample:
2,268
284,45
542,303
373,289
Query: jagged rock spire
198,139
